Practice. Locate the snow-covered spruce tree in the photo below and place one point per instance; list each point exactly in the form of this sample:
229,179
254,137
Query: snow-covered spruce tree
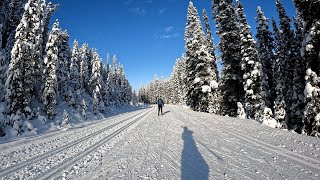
279,102
84,71
174,83
114,83
47,11
288,55
95,82
63,64
229,45
214,105
312,112
10,16
104,83
199,64
265,47
253,75
310,51
211,48
50,60
74,71
107,90
21,73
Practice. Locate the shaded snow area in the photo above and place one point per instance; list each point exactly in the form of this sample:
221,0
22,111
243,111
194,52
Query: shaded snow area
181,144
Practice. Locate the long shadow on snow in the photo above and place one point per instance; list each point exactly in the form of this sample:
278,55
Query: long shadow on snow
193,166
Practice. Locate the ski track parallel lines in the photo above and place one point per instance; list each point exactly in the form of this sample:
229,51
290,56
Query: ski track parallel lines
305,160
9,170
72,160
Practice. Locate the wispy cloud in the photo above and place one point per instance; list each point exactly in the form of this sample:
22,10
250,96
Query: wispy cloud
168,29
128,2
169,33
162,11
169,36
138,11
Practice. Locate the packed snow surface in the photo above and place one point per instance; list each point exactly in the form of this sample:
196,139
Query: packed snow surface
180,144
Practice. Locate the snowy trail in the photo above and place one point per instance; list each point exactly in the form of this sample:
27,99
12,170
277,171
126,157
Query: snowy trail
36,157
181,144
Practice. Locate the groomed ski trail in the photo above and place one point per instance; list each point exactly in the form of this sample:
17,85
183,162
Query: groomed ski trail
181,144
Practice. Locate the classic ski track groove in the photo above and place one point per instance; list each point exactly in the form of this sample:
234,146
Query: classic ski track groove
14,168
305,160
123,173
72,160
47,144
53,135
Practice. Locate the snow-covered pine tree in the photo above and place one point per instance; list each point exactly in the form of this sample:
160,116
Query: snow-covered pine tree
312,112
174,83
299,30
108,83
310,51
74,71
63,70
211,47
265,48
104,83
199,64
288,55
297,105
47,10
84,71
10,16
214,105
279,102
95,82
229,45
21,76
50,60
114,83
253,75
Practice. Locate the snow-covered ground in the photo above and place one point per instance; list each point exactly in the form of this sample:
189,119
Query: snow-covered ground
181,144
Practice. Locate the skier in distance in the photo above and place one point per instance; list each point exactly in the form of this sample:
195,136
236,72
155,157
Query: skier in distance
160,105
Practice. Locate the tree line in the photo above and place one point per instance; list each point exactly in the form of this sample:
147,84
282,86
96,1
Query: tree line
39,71
272,78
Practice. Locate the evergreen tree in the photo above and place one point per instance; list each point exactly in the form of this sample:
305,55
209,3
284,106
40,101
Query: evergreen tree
265,48
310,50
229,45
95,82
21,76
312,113
84,72
279,102
50,61
288,55
253,75
63,71
210,45
199,64
74,71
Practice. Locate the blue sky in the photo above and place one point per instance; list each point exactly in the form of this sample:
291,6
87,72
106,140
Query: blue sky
146,35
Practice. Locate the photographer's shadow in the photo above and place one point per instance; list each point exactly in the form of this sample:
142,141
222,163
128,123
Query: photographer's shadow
193,166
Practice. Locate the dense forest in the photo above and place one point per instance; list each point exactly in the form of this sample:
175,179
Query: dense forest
40,72
272,78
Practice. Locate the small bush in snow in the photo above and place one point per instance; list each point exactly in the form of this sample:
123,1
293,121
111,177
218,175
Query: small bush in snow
240,113
65,120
